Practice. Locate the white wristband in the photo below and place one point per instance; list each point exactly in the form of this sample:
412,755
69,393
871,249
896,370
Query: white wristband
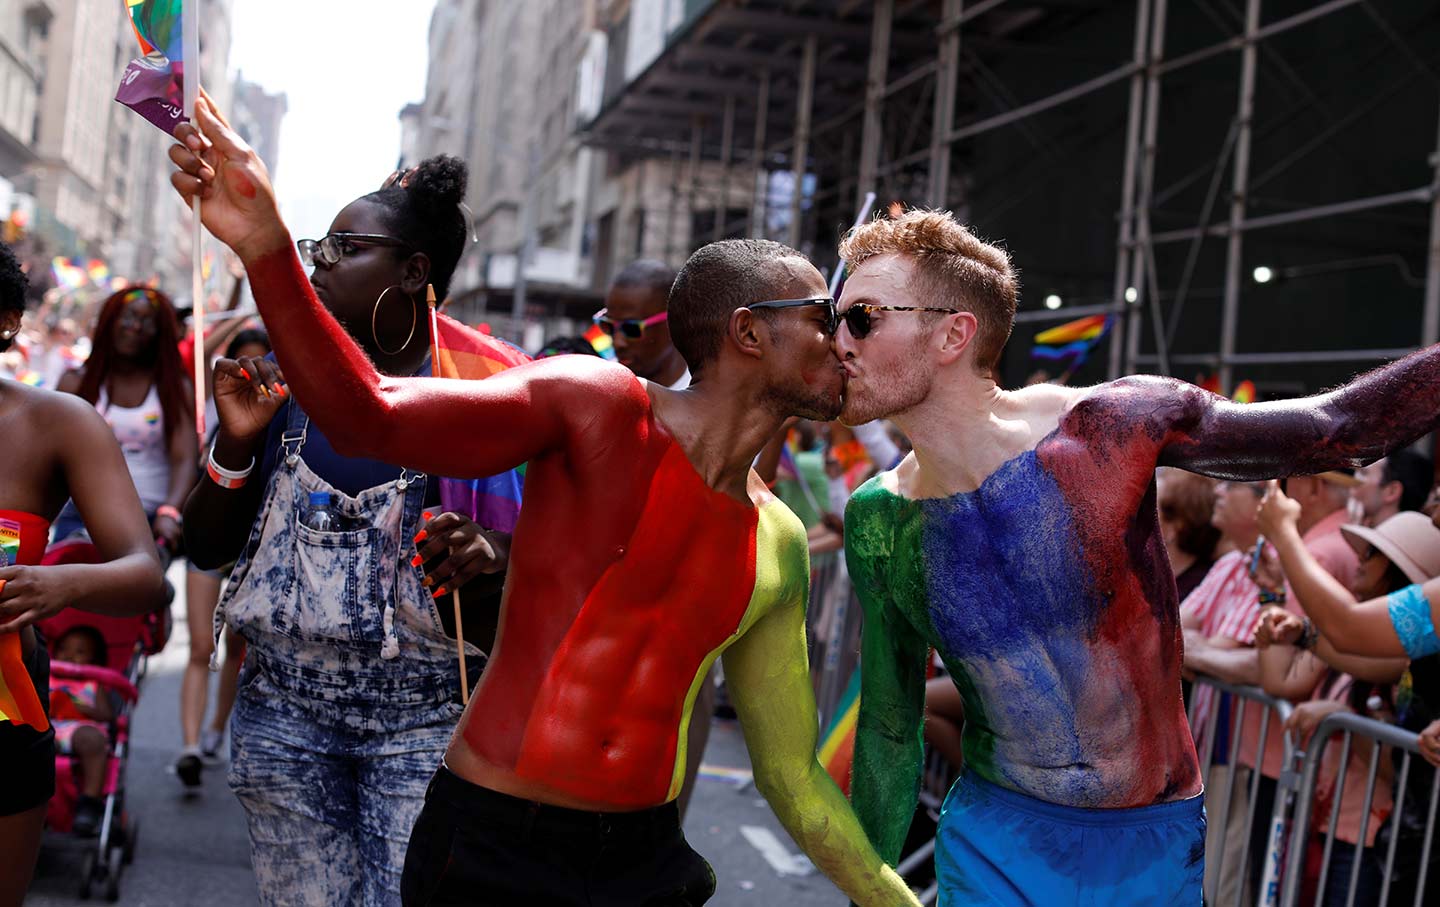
230,474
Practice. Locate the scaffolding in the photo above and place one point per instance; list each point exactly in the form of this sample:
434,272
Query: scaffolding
936,89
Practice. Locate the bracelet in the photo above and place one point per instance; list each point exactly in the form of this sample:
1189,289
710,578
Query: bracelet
1272,598
167,510
1308,636
227,478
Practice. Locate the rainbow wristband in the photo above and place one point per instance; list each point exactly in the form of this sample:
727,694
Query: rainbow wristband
227,478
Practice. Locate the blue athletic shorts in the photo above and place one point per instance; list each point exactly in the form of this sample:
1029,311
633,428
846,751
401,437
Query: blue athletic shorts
996,846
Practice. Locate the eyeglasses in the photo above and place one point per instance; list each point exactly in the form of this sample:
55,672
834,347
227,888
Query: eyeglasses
832,320
857,317
629,328
332,247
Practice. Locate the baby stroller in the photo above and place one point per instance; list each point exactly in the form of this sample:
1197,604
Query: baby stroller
128,642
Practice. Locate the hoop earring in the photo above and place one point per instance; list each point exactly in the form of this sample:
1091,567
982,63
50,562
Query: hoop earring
374,316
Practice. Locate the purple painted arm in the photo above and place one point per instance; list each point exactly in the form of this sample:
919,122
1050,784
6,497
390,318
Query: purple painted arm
1375,414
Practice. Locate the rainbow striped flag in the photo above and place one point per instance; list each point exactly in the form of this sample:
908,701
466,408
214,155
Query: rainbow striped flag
19,702
1071,342
837,744
601,342
153,85
1244,392
461,352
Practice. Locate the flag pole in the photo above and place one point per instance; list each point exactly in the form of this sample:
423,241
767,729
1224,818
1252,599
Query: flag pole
190,63
454,594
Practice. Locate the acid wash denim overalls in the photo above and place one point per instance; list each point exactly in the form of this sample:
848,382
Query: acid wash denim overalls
350,690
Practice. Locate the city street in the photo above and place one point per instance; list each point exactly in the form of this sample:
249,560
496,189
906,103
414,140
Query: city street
193,850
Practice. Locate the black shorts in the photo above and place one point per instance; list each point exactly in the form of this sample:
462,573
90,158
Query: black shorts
474,846
27,756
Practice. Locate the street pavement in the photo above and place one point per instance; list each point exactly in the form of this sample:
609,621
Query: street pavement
193,850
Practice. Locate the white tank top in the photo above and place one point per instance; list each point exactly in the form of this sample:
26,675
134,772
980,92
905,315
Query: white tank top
141,433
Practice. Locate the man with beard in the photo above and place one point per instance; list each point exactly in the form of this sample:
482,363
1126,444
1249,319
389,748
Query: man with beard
647,547
1021,540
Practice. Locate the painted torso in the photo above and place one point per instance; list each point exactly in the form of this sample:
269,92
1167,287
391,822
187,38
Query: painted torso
1047,592
629,577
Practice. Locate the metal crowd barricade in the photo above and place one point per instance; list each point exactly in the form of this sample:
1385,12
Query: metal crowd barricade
1243,698
1353,726
833,628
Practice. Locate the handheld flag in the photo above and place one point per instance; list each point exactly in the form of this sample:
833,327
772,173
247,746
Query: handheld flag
837,744
458,352
154,84
19,703
600,342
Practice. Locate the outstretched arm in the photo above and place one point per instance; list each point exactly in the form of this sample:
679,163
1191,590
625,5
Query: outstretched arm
446,427
768,678
1358,423
126,579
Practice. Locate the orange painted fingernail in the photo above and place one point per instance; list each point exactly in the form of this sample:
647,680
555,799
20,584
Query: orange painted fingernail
421,536
244,374
439,592
427,582
416,561
428,516
279,391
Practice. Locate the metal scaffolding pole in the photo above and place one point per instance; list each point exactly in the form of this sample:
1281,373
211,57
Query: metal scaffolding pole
801,150
1127,190
875,91
756,226
697,131
727,138
1430,323
1142,259
946,75
1230,314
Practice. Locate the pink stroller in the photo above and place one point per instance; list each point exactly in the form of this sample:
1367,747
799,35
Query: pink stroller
128,641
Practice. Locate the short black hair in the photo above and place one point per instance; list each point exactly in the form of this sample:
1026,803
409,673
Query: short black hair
13,285
645,274
425,212
246,338
718,279
97,640
1416,474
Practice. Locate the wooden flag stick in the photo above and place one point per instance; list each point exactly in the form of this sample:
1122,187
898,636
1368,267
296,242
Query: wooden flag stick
460,648
190,60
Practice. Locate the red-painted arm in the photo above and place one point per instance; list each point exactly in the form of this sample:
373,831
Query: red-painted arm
1194,429
448,427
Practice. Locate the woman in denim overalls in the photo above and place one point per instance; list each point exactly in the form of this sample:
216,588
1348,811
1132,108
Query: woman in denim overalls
351,688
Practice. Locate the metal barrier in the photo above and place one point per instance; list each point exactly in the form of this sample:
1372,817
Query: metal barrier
1245,697
1381,734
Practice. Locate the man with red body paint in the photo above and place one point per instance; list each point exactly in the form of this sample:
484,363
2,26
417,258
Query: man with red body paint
559,785
1020,538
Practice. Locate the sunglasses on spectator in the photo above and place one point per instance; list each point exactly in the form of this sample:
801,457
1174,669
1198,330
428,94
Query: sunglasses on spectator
832,319
629,328
857,317
332,247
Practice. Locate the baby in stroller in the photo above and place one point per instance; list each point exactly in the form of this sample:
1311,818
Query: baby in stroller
80,710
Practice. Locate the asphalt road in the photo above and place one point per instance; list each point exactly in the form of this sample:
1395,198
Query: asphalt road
193,850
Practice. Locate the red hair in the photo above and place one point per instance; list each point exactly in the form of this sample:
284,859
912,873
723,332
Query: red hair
168,372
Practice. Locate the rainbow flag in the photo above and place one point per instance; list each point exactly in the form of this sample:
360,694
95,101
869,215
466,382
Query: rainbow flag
601,342
68,275
461,352
1071,342
1244,392
153,85
837,744
19,702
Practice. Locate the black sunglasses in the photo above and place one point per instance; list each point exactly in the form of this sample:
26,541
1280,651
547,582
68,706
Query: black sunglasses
857,316
832,319
332,247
